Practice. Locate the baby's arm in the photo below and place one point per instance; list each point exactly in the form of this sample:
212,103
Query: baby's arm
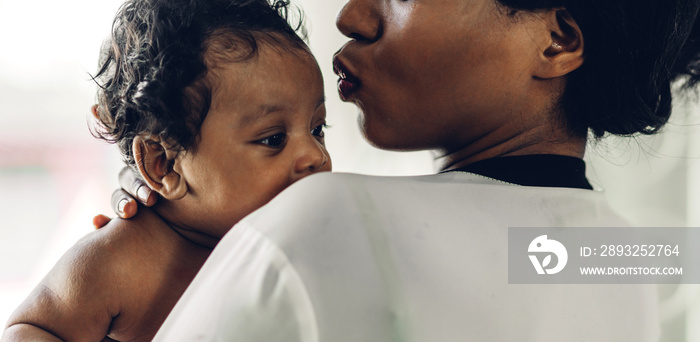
26,332
74,302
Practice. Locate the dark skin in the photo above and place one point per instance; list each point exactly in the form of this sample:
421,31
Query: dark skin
94,305
487,83
124,204
478,83
120,282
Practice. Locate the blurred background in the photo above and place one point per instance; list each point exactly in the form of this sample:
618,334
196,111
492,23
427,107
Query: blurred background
54,176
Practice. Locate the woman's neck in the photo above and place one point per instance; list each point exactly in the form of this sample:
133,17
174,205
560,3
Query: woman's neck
543,139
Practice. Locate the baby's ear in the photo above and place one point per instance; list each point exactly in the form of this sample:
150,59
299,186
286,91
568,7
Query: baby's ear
159,167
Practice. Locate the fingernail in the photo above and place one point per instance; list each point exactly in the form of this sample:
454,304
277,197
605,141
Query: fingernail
142,192
122,204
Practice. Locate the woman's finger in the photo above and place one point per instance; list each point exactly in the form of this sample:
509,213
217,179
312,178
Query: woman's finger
123,204
136,187
100,221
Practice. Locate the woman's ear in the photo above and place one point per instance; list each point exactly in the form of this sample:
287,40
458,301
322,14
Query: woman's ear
159,167
564,53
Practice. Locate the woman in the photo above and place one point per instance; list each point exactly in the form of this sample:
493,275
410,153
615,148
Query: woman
506,92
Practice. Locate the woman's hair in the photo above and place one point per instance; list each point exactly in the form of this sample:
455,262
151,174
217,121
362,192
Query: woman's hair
634,50
152,70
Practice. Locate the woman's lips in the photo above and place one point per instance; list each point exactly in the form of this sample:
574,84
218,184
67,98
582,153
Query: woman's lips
347,82
346,88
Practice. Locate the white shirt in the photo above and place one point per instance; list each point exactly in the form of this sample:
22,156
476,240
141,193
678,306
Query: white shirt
343,257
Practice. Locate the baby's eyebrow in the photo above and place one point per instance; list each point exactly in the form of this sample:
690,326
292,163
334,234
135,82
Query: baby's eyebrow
262,111
266,109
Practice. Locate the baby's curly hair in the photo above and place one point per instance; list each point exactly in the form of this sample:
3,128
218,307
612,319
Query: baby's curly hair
152,69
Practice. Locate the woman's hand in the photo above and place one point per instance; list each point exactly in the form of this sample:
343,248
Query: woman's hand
124,200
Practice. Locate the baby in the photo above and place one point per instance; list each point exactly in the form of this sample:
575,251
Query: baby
219,105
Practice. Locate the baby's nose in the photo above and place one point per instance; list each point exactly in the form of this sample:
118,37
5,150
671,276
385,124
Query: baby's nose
312,158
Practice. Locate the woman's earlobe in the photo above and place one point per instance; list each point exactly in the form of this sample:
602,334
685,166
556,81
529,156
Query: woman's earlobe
564,53
157,164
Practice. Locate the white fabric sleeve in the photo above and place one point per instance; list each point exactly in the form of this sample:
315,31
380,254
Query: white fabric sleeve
246,291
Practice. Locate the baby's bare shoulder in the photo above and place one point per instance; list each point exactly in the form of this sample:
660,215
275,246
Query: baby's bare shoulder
120,242
103,262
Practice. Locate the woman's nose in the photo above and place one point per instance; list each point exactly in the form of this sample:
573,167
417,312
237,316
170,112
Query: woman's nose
312,157
359,20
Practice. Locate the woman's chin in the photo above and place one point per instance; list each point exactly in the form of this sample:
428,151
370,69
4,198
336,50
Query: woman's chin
389,140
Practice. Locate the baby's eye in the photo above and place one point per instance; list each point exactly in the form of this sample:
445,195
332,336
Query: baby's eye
275,141
318,130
